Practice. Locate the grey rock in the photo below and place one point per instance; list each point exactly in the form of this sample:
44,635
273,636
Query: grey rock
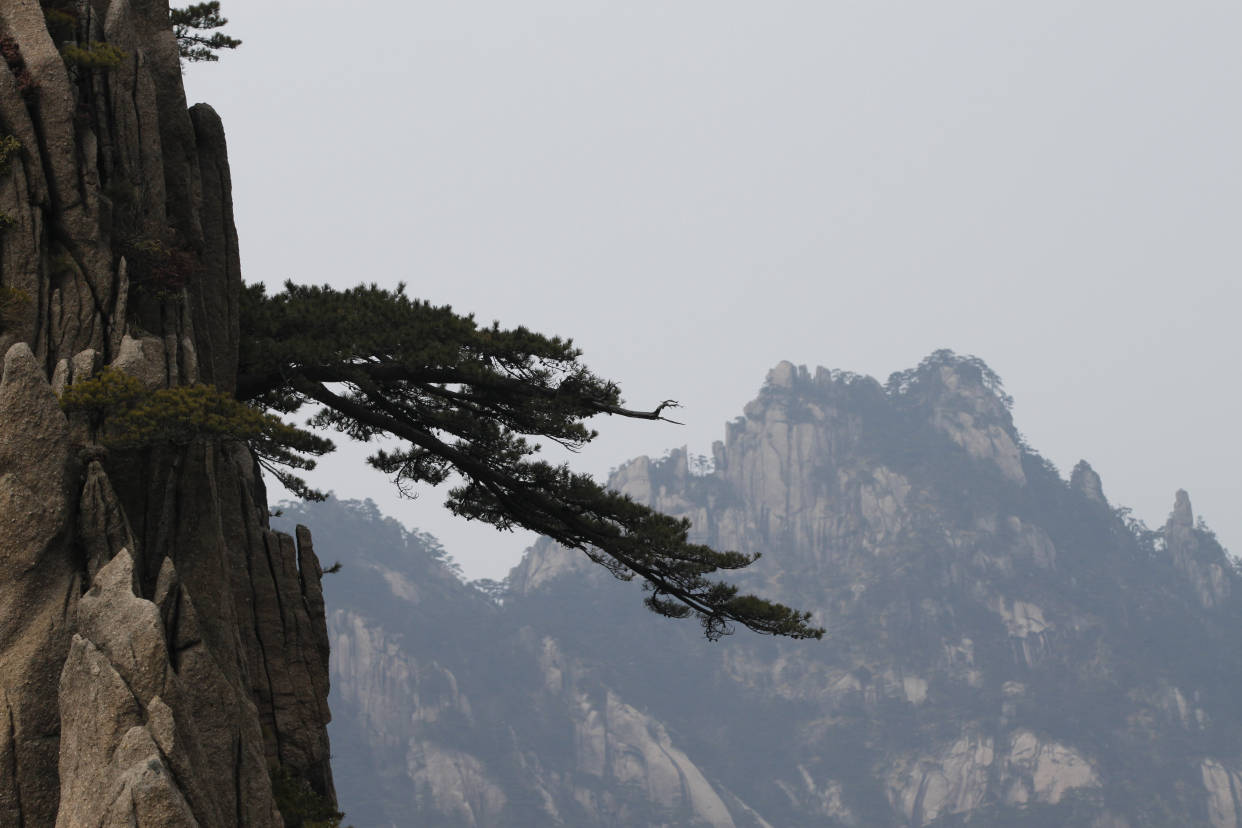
73,186
975,423
112,771
192,520
1222,784
215,312
102,524
227,744
173,737
310,576
126,629
143,359
1182,515
1201,562
1086,482
39,587
84,365
254,653
60,377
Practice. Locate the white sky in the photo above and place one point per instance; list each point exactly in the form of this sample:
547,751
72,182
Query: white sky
695,191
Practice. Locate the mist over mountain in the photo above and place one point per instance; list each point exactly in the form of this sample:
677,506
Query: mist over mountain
1004,647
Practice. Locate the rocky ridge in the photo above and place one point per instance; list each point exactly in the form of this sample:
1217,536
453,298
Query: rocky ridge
1004,647
163,650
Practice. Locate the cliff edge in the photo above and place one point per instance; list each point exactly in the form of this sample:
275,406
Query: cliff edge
163,653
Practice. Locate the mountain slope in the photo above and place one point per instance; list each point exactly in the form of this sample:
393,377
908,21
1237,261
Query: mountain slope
1003,646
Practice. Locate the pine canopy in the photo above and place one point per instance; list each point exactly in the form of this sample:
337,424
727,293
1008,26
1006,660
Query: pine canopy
470,399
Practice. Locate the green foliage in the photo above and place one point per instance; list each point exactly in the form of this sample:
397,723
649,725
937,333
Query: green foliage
300,804
62,19
125,414
157,268
470,399
971,366
12,300
111,392
183,414
95,55
9,146
61,25
187,22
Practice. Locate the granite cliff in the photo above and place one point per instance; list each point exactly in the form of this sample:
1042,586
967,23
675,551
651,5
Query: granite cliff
1005,647
164,653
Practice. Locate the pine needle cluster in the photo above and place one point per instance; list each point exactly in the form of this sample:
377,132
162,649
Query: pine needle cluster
93,56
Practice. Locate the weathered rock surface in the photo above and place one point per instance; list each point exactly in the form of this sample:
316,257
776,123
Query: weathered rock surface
39,586
162,651
1199,563
1086,482
1002,649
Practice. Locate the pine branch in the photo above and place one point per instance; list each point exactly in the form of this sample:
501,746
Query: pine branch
466,398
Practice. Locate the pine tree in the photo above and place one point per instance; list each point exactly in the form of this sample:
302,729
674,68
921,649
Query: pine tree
196,18
470,399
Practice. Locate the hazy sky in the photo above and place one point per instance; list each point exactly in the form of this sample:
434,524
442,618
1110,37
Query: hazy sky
695,191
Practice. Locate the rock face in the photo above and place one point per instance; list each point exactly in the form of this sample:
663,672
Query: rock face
163,651
455,717
1003,647
40,583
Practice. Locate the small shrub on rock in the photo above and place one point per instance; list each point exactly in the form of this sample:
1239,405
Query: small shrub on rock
93,56
12,300
62,19
300,804
111,392
158,269
124,414
9,146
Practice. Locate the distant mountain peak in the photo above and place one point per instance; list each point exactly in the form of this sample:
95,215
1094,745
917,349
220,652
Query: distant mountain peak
1003,647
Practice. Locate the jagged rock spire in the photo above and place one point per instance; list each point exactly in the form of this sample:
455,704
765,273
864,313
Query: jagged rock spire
1182,514
1086,482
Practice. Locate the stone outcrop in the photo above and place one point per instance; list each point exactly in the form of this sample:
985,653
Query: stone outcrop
39,586
1201,563
957,780
1003,648
163,652
1224,787
137,745
1086,482
621,747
